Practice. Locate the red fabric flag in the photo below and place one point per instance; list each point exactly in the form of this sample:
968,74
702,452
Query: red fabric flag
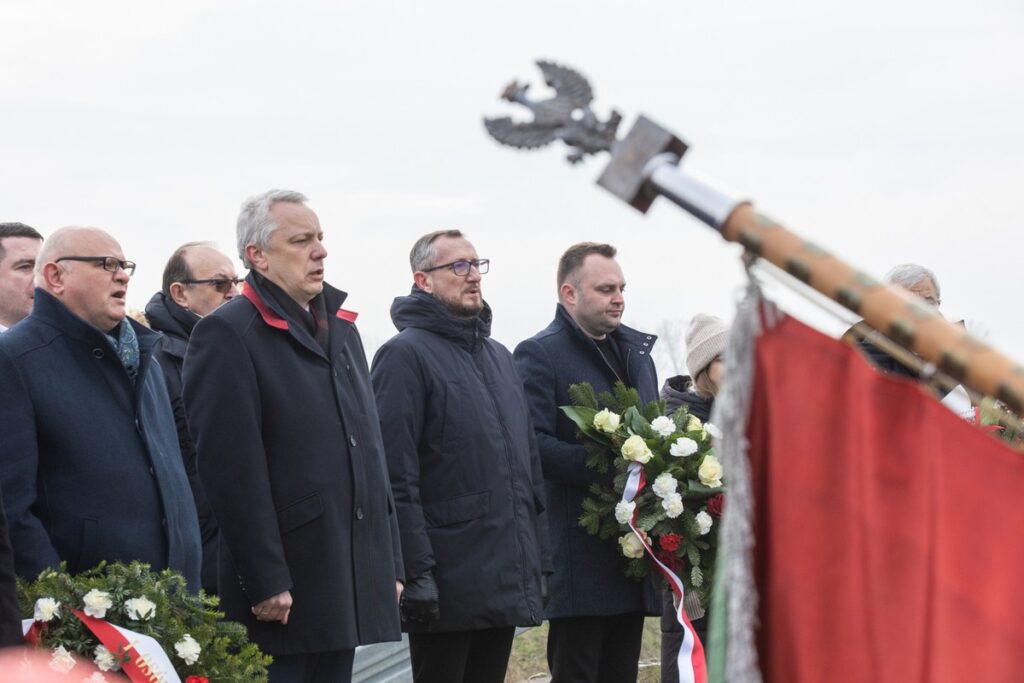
888,530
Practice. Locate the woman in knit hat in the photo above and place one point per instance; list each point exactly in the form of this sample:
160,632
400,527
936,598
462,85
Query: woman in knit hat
705,344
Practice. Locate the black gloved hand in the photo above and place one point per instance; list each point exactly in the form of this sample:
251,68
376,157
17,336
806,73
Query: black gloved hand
420,602
545,597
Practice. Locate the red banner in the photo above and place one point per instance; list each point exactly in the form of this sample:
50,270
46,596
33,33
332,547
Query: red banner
887,529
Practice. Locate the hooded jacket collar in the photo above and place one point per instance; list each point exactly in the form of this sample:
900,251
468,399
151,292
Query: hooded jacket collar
421,310
175,322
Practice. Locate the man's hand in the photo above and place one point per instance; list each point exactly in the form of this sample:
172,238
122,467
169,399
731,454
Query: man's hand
399,587
275,608
419,603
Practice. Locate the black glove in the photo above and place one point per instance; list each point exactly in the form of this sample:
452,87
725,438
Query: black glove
545,597
420,602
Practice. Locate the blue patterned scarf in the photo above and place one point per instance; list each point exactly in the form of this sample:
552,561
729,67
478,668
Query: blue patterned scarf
127,347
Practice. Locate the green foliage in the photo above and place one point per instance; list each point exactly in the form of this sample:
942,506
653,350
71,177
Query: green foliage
582,396
226,654
696,576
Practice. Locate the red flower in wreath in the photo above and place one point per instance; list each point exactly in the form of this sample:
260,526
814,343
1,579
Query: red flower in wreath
197,679
716,504
670,542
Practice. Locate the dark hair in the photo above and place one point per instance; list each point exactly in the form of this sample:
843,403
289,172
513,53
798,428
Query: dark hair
572,260
177,268
423,253
16,230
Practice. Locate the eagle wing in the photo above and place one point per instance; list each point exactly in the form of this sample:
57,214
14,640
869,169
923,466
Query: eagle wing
522,135
567,83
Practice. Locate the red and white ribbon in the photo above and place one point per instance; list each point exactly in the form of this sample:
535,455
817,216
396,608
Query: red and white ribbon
692,666
146,661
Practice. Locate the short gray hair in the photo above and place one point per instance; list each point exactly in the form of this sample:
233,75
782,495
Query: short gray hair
907,275
423,252
255,224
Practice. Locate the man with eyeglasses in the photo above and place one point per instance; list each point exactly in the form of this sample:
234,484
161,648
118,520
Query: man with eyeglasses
89,461
197,280
464,471
288,444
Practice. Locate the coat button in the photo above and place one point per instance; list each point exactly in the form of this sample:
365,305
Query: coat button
646,344
152,471
352,440
359,513
641,353
98,353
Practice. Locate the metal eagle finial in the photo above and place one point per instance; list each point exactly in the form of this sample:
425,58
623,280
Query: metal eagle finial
567,116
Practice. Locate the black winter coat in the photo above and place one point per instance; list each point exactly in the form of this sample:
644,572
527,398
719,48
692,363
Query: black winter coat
589,577
464,466
290,454
176,324
89,461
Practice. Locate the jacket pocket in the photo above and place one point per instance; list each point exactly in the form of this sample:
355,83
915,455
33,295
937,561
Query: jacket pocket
455,510
302,511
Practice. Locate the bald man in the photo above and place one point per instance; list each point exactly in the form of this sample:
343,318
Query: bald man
89,463
198,279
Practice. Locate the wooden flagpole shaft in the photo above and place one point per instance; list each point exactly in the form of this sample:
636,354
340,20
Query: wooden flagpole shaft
644,165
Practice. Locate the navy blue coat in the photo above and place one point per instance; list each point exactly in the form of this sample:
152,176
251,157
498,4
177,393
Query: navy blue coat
464,466
176,325
588,578
290,454
89,463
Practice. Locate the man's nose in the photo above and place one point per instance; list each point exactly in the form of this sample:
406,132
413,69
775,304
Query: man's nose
320,252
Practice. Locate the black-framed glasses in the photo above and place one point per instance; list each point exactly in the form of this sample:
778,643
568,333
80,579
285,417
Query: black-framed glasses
221,284
110,263
463,266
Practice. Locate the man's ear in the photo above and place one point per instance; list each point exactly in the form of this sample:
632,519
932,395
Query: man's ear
567,293
256,257
178,294
422,281
52,278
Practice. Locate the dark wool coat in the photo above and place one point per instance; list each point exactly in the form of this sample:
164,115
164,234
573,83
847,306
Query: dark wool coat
89,462
176,325
290,454
588,578
464,466
10,617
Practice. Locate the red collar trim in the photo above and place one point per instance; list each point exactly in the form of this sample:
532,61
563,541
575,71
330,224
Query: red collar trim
347,316
269,317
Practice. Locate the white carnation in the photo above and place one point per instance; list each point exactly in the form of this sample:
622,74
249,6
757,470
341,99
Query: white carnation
139,609
673,504
682,447
665,484
46,609
188,649
664,426
104,659
97,603
96,677
624,511
704,522
62,661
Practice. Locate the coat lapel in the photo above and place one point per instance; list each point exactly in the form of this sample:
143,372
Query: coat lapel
275,318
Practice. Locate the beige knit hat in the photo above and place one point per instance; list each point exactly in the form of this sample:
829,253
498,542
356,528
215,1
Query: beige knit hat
705,339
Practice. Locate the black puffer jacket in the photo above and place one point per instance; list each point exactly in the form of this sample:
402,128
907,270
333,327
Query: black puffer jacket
464,465
678,391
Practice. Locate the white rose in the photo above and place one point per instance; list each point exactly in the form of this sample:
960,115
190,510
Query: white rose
103,659
665,484
624,511
62,661
97,603
139,609
46,609
606,421
710,471
682,447
694,424
673,505
635,448
714,431
664,426
704,522
188,649
632,547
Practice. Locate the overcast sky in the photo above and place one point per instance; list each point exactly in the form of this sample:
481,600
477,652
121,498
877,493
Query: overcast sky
886,131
